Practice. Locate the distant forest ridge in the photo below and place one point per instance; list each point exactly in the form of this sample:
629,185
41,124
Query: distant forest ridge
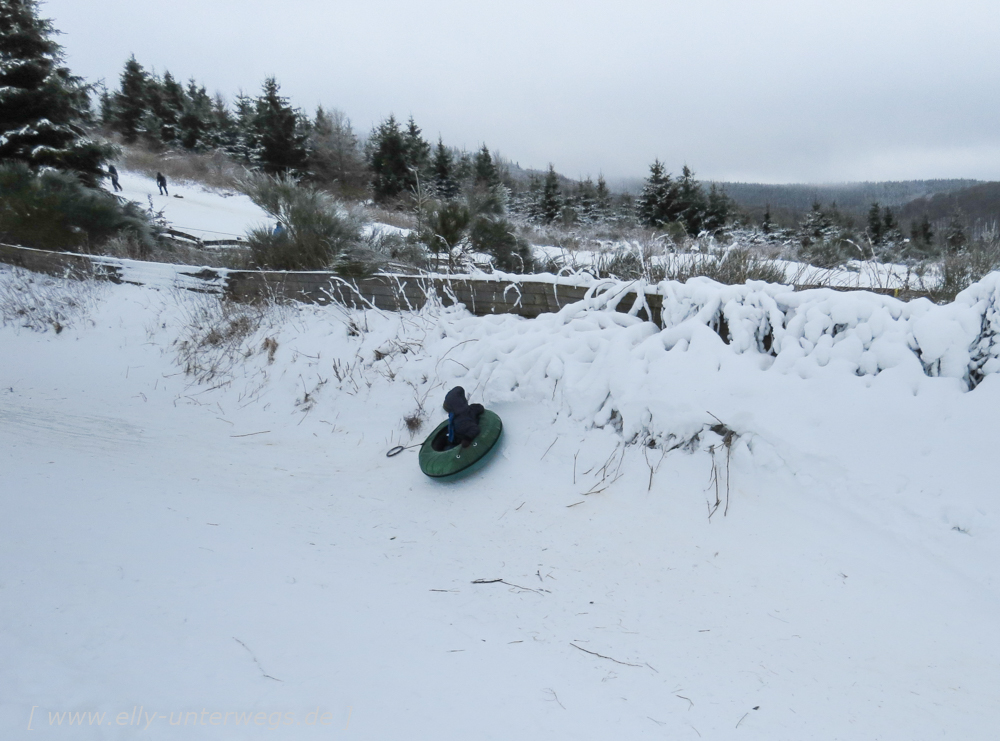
849,197
977,201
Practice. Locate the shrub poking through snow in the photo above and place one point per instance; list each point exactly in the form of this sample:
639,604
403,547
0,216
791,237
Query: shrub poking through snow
970,264
496,237
55,211
40,303
316,232
219,335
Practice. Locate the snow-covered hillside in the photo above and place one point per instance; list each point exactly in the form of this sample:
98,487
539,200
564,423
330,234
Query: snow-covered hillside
211,214
695,539
202,212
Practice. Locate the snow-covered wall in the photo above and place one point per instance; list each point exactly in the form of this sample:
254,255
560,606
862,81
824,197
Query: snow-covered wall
856,332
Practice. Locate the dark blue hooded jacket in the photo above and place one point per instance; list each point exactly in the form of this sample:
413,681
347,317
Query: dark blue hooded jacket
464,417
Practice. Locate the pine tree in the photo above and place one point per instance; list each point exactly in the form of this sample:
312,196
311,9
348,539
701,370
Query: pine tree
717,210
923,233
767,225
196,122
603,194
130,101
691,205
892,235
223,126
658,201
875,224
550,203
105,104
167,101
484,171
244,134
280,132
585,201
955,237
418,152
390,173
443,172
815,226
43,107
532,198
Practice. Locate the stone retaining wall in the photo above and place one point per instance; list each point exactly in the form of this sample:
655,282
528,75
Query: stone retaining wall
527,297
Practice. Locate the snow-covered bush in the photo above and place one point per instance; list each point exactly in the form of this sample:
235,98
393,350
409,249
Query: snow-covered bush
961,269
316,231
55,211
40,302
219,335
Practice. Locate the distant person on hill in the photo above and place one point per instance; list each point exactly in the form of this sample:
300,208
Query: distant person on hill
114,178
161,183
463,418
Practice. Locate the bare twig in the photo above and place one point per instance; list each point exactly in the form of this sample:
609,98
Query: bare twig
602,656
548,449
268,676
516,586
555,697
251,434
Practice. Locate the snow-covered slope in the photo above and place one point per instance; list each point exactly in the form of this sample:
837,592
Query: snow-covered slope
202,212
232,539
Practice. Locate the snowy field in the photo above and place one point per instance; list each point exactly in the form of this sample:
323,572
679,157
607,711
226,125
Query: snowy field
853,274
211,214
202,212
202,536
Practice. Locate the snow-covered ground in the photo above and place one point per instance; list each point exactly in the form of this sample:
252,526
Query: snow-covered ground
853,274
202,212
211,214
231,545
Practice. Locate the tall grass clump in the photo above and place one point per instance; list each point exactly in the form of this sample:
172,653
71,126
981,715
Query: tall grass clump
213,169
730,265
734,266
55,211
40,302
964,267
316,231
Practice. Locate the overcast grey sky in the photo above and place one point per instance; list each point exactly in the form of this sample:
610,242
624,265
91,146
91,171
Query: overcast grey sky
763,91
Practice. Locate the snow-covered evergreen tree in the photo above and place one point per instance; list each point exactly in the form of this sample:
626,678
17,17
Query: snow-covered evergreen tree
388,161
196,122
129,103
484,171
602,199
443,172
691,203
875,224
280,131
550,203
418,151
921,238
223,125
955,237
166,103
717,210
657,203
43,107
242,142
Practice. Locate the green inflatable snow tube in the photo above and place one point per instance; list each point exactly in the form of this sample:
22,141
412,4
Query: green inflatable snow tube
439,464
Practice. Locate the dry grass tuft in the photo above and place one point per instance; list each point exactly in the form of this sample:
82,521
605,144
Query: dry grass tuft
40,302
